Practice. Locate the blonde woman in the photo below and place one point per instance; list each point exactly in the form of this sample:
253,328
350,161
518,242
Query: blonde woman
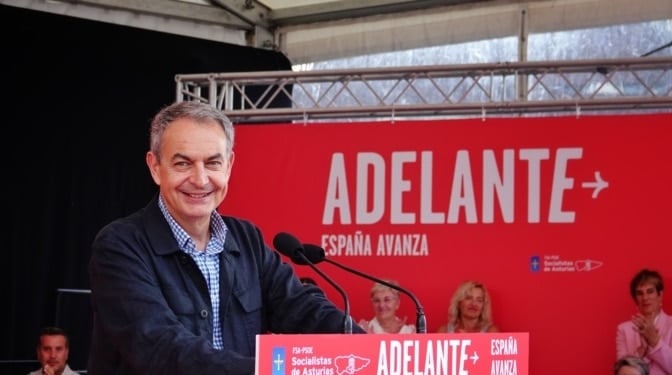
470,310
385,301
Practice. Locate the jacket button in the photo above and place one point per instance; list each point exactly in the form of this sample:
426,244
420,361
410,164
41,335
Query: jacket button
204,313
183,259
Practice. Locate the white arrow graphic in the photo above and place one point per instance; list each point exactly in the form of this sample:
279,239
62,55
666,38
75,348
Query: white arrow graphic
474,357
598,184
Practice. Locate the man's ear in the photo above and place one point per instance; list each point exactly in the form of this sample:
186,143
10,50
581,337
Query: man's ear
153,164
232,158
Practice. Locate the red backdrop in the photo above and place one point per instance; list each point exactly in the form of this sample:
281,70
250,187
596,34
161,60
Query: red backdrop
553,214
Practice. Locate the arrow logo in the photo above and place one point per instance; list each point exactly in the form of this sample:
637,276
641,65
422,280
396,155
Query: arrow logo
474,357
598,184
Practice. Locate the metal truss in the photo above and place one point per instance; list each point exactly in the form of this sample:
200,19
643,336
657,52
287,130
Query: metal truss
512,88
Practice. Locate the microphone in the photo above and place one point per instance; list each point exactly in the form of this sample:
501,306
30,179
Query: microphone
316,254
290,246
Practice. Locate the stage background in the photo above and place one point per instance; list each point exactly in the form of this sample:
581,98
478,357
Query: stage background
557,265
77,98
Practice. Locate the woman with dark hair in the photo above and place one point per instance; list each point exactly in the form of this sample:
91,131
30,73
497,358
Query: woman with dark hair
648,333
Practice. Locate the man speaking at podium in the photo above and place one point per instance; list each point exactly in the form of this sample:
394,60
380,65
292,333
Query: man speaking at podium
178,288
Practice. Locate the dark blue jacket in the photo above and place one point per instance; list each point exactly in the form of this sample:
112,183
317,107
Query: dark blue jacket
152,312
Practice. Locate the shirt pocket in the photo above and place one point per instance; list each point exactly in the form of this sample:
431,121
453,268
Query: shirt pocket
248,298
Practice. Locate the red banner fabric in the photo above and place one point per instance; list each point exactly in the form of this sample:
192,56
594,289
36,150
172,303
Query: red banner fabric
393,354
554,215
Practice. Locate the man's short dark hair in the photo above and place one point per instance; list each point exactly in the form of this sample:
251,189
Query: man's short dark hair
53,331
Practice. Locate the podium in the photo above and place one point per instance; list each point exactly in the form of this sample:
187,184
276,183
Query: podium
501,353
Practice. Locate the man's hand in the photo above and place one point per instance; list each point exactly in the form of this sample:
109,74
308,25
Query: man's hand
48,370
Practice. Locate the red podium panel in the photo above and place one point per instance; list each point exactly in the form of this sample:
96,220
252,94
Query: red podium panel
394,354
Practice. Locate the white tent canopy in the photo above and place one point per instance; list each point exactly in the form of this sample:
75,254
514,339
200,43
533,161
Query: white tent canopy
317,30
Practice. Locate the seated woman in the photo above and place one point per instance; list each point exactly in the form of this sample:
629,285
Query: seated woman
470,310
385,302
648,332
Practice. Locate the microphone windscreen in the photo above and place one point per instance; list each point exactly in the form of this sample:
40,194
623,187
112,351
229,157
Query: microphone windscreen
287,244
314,253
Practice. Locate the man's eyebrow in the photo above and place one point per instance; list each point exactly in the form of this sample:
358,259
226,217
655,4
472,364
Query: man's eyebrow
216,156
178,155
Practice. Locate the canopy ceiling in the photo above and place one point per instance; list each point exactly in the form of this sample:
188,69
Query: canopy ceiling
316,30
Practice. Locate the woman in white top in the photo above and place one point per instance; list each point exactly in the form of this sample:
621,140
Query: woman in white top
385,302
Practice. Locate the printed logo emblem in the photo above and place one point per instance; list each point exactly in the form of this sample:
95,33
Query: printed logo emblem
587,264
555,263
350,364
278,361
535,263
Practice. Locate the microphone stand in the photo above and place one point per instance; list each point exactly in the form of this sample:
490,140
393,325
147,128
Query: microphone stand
347,321
421,320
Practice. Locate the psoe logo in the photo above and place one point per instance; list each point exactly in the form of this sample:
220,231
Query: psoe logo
587,265
350,364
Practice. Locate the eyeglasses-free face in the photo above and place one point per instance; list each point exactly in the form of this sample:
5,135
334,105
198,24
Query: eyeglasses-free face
648,300
472,304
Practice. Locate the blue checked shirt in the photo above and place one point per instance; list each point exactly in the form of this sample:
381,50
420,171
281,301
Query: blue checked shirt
207,261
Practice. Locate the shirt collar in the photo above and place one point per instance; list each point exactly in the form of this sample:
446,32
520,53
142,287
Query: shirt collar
218,228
